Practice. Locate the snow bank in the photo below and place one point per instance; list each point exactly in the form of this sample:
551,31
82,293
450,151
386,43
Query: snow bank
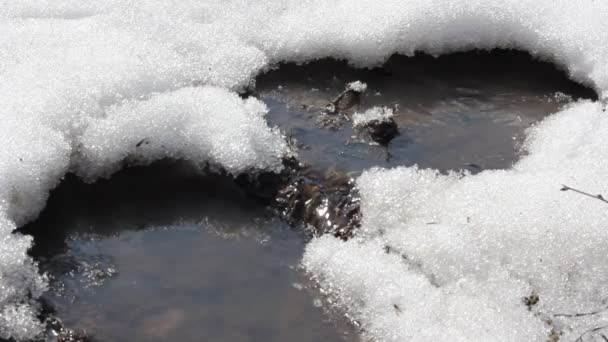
459,253
198,124
85,85
201,124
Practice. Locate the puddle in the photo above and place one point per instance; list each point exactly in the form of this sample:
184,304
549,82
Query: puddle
461,111
160,254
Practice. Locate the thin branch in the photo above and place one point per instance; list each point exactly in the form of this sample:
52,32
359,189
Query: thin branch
397,309
580,338
598,196
589,313
582,313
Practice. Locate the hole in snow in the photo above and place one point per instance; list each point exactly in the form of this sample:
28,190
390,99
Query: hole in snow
162,253
460,111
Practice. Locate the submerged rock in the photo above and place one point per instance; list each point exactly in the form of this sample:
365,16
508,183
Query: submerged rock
376,124
349,98
335,112
57,332
325,203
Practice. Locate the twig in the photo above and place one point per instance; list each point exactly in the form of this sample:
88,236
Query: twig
598,196
580,338
582,314
142,141
600,310
397,309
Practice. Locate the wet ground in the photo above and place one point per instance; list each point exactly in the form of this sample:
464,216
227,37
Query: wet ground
164,254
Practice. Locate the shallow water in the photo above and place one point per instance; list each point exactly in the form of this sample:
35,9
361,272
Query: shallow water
161,253
461,111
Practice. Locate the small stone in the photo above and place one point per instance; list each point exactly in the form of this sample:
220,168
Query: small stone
377,124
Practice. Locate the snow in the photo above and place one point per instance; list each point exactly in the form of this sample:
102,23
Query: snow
357,86
379,114
193,123
83,83
481,243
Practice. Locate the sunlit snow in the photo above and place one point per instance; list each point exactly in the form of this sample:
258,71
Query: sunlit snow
86,85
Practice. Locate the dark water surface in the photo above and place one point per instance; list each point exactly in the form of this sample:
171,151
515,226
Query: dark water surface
163,254
460,111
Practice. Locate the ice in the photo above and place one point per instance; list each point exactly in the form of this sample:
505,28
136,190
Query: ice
86,86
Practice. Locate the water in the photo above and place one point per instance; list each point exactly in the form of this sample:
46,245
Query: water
162,253
461,111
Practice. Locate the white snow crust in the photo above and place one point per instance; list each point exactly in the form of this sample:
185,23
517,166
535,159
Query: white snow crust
458,253
82,83
379,114
357,86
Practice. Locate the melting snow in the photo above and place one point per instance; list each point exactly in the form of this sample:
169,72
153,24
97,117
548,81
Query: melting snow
379,114
86,85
